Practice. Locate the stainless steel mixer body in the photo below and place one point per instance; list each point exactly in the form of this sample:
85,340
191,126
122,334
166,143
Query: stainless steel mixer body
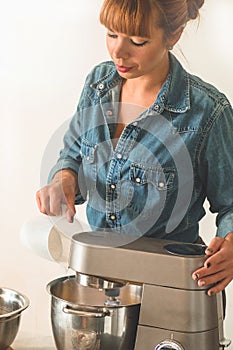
175,313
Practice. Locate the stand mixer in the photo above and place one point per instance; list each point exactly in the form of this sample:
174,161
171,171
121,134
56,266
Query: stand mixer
175,313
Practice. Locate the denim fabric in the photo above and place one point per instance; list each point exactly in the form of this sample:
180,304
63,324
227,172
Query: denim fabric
167,161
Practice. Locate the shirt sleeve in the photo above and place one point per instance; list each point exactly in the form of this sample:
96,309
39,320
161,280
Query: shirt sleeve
70,155
216,168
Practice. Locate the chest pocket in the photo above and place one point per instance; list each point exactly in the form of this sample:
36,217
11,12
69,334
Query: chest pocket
149,189
162,179
89,167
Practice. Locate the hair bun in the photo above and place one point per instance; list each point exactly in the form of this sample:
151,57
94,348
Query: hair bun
193,8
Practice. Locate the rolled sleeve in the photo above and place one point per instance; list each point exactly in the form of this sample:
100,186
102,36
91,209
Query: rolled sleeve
62,164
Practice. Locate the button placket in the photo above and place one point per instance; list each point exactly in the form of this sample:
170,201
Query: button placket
113,206
111,195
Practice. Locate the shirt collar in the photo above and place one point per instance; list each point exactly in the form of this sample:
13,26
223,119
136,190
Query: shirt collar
174,95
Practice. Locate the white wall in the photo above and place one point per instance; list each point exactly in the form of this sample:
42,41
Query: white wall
46,49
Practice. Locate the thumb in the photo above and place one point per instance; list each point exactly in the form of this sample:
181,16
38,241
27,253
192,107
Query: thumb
70,215
70,211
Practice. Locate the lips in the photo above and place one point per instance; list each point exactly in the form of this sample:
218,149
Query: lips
123,69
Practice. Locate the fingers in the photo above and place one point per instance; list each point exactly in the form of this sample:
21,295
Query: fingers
221,285
217,271
42,203
49,201
210,281
56,199
216,281
214,246
38,201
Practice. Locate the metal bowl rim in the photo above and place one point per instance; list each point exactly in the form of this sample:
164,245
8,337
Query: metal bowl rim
17,312
54,282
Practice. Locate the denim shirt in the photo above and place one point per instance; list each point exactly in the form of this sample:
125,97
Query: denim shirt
167,161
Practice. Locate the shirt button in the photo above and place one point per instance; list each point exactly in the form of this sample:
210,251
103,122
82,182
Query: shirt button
112,217
138,180
135,123
109,113
113,187
88,158
161,184
156,107
119,156
101,86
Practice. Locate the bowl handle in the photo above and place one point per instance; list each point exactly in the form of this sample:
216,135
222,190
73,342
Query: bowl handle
83,313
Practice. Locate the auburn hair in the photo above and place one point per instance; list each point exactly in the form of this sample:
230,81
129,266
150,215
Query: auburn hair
139,17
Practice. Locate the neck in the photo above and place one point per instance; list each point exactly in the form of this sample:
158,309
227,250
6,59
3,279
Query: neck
144,89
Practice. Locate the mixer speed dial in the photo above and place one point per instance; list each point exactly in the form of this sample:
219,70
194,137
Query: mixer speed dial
169,345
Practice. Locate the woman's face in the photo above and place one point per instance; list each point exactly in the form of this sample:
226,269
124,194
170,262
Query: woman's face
138,56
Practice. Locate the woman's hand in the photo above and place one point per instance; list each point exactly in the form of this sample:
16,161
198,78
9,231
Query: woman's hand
61,191
218,267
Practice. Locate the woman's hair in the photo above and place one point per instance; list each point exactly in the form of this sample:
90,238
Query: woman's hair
139,17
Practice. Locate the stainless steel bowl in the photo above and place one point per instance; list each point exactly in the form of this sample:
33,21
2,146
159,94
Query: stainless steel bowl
12,304
85,318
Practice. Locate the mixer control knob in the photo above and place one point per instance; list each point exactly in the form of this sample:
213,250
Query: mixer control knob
169,344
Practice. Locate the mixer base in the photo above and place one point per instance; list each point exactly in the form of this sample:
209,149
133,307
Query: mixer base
149,338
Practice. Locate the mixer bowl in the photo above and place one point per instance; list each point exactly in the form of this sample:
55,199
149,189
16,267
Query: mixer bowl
12,304
85,318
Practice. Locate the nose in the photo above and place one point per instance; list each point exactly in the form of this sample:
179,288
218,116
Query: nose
120,50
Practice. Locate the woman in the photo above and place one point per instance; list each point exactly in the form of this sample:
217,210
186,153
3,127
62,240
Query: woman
149,142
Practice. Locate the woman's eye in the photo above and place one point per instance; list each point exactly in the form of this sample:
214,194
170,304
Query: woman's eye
115,36
139,44
110,35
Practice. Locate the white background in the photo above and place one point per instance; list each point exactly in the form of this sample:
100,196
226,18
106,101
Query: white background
46,49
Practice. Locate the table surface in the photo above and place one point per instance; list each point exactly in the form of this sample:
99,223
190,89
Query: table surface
33,343
43,343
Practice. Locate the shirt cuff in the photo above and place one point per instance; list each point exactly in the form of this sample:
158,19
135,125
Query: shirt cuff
67,164
63,164
225,225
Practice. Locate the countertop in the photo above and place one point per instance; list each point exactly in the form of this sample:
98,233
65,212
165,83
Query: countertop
29,343
43,343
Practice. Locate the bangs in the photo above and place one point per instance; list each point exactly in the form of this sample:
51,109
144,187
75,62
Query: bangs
130,17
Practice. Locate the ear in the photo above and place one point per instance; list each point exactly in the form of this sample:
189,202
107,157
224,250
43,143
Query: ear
175,36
